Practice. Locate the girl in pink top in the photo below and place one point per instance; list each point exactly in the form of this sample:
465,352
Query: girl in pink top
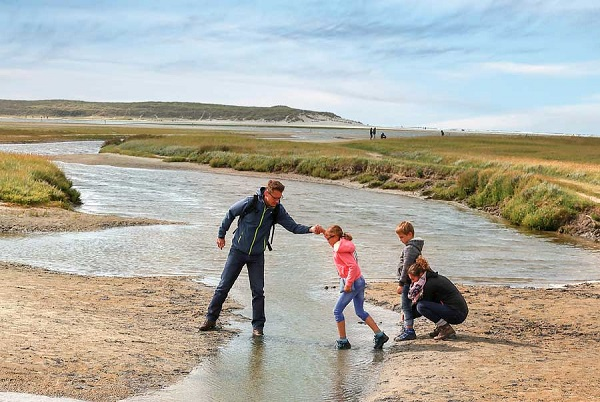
352,286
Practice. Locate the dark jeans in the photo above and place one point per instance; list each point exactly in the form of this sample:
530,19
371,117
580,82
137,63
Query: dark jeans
407,308
256,273
436,311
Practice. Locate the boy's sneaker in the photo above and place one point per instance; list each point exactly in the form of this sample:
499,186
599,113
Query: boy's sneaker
407,335
341,344
379,340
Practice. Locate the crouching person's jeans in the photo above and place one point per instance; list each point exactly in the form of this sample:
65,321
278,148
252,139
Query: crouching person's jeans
435,312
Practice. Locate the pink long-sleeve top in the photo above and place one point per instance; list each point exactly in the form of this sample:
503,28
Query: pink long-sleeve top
346,261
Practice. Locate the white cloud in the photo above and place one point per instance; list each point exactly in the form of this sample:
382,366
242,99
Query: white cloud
565,69
570,119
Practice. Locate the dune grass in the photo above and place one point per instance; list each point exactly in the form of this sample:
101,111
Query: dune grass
33,180
538,182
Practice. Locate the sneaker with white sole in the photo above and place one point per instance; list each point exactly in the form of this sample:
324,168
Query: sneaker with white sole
407,335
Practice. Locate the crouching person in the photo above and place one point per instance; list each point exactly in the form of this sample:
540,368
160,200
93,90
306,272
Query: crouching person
436,298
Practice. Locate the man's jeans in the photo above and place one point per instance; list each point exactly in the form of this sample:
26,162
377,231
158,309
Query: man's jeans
256,273
436,311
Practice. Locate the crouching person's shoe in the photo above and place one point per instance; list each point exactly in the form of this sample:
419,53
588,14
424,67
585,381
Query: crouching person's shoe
445,332
435,332
208,325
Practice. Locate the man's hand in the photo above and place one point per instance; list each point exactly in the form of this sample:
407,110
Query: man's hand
348,288
220,243
317,229
399,290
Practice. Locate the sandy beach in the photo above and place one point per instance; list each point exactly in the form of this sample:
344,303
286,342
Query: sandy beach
103,339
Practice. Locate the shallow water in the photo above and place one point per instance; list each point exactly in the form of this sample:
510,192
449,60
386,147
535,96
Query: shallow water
295,359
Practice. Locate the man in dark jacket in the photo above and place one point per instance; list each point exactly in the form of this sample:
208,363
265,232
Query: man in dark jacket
257,214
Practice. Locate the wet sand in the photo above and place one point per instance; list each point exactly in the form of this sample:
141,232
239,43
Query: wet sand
99,338
516,345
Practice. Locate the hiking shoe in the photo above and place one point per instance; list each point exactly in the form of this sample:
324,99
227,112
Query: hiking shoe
257,332
446,332
208,325
435,332
379,340
407,335
342,344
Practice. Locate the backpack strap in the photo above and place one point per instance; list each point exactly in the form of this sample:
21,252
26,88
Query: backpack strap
274,215
251,206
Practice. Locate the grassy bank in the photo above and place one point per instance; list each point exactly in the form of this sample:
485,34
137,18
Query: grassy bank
33,180
538,182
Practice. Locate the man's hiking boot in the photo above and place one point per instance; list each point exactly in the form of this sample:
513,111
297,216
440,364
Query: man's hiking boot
407,335
257,332
445,332
379,340
342,344
208,325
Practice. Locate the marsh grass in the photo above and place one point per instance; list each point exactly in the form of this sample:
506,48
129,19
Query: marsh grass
34,180
536,182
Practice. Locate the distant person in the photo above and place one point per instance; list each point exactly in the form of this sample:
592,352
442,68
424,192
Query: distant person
383,135
412,249
442,132
352,287
257,214
371,133
374,132
436,298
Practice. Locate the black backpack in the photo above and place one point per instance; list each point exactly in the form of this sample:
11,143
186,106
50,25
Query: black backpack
252,206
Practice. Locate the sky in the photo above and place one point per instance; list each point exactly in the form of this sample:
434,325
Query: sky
508,65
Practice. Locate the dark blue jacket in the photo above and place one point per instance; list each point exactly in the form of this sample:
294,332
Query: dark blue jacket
253,230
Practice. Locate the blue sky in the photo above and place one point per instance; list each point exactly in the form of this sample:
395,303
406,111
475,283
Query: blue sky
522,65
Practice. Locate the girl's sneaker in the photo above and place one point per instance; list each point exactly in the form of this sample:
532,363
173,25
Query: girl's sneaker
379,340
407,335
342,344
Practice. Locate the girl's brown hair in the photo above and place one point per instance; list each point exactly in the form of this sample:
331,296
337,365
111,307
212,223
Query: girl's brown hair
335,230
420,266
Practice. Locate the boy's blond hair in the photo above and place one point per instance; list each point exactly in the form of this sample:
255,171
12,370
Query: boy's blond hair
405,227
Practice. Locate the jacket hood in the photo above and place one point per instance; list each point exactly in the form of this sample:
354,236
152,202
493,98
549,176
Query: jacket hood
417,242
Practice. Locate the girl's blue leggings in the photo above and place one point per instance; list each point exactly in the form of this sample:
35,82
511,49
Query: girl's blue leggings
357,295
